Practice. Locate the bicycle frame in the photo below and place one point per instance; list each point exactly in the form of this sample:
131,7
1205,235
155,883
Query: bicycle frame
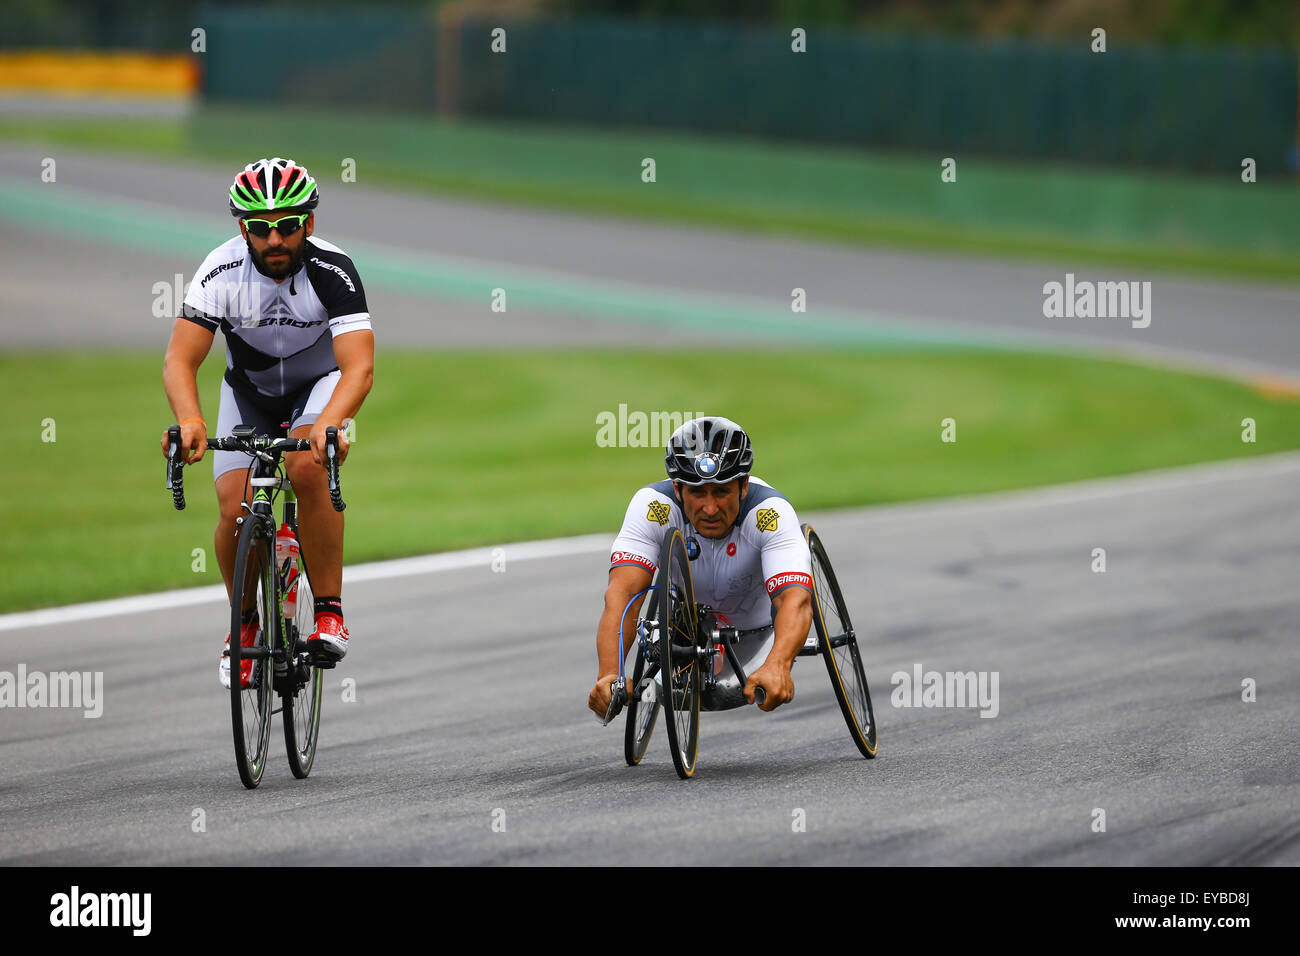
267,485
288,666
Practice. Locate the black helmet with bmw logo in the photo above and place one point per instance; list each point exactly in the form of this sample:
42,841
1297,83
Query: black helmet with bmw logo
709,450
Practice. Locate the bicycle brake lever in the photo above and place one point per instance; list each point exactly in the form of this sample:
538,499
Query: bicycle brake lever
175,477
332,467
173,446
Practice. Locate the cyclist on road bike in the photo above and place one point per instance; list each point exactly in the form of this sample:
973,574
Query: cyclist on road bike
299,352
748,561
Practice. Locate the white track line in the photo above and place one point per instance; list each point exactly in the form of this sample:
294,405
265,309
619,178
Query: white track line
1071,493
1090,489
399,567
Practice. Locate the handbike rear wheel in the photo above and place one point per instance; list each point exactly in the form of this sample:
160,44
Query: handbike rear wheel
839,647
679,661
301,711
251,707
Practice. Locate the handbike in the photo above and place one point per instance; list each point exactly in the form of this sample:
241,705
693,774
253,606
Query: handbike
677,641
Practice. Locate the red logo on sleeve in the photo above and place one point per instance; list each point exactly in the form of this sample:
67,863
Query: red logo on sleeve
628,557
778,581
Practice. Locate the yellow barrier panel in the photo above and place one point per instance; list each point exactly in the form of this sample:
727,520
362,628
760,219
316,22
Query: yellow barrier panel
108,74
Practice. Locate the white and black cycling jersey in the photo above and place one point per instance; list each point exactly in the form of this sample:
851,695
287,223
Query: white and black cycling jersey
762,554
279,335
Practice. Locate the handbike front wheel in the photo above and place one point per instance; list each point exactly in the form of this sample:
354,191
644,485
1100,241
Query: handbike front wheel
640,716
839,647
301,711
250,708
679,662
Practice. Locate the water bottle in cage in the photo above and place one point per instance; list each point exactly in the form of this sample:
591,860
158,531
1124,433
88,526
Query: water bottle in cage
286,563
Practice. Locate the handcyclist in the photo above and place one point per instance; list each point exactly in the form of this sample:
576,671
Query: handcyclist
299,352
748,561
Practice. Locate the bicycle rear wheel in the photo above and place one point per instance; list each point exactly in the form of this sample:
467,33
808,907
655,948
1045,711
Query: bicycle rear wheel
300,712
839,646
250,707
679,661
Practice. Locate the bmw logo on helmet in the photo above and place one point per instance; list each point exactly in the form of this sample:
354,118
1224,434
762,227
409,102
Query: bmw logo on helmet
706,464
708,450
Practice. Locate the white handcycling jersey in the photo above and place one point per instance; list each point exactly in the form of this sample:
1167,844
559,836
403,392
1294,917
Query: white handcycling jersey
736,575
278,335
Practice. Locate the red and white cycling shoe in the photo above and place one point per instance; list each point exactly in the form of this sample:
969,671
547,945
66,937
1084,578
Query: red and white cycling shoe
329,643
247,638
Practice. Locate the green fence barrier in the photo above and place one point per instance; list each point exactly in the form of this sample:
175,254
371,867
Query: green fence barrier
1179,108
367,58
1184,108
103,25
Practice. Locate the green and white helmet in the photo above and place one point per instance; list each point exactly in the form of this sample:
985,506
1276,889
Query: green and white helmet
272,184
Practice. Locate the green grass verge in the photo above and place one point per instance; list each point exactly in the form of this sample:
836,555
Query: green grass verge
1080,215
485,448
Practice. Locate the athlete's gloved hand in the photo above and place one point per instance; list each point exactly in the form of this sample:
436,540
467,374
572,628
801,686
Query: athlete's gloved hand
774,677
194,441
598,699
317,438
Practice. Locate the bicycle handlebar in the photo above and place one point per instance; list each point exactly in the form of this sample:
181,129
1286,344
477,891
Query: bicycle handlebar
251,446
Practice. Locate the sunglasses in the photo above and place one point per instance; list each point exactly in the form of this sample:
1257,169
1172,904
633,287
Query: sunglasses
286,226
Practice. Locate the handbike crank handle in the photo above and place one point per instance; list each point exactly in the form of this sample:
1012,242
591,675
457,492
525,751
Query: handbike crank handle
617,698
332,467
175,462
760,694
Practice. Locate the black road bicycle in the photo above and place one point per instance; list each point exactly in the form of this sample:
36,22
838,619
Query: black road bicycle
677,630
281,662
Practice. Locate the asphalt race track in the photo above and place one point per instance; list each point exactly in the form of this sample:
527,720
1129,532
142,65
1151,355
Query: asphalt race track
1119,691
430,265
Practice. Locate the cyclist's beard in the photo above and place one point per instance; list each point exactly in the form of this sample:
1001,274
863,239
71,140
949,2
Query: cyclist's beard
281,268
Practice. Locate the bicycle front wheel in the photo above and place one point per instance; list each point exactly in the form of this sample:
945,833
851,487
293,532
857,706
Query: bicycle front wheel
250,707
300,710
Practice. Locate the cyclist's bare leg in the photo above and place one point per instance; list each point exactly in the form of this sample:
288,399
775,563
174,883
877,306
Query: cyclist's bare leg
320,527
230,493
